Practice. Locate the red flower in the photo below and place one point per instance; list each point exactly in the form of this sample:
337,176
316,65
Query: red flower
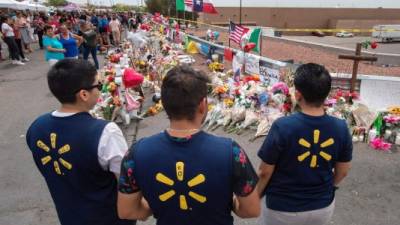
247,189
130,172
242,157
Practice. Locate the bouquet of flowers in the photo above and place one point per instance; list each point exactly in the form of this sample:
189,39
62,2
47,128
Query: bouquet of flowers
251,118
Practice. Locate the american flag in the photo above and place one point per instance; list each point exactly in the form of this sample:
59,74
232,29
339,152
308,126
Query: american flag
236,32
189,5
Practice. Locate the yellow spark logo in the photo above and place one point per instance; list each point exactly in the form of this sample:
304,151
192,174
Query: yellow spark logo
323,154
180,168
64,149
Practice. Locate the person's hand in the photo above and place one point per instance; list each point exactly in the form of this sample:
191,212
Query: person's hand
63,50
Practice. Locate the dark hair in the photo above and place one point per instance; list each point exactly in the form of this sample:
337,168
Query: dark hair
68,76
313,81
46,28
3,19
182,90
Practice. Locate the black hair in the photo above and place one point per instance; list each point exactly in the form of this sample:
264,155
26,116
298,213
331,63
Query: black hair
46,28
182,90
313,81
68,76
3,19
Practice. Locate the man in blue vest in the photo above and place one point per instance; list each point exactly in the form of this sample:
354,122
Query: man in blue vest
184,175
79,156
305,156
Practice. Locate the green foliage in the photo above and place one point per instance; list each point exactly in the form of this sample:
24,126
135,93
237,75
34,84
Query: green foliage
124,8
161,6
168,8
57,2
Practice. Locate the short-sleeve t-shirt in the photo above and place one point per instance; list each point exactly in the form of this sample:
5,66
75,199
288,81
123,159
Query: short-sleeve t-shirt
304,150
54,43
244,176
114,25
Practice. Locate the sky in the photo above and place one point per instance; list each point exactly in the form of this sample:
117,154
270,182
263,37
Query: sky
278,3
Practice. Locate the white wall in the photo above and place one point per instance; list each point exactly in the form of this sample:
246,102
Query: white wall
311,3
380,92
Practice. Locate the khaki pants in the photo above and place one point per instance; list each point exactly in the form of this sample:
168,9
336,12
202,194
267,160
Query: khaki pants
116,36
314,217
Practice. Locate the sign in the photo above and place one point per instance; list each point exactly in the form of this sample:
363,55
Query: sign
236,65
269,74
252,65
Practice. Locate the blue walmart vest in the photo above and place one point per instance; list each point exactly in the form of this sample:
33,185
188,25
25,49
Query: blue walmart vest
186,181
65,152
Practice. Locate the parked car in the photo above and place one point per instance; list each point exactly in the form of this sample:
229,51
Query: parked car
318,33
344,34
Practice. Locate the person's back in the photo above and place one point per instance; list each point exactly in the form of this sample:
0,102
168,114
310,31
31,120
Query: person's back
309,147
186,175
78,155
65,151
304,156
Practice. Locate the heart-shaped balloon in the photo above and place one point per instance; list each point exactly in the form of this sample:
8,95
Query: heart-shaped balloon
131,78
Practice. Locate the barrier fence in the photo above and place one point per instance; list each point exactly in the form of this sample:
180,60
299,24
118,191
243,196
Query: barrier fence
352,30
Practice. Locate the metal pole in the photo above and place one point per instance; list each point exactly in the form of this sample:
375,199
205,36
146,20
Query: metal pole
261,41
240,13
229,35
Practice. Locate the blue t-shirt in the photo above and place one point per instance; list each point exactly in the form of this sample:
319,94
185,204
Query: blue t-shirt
70,46
54,43
304,150
188,180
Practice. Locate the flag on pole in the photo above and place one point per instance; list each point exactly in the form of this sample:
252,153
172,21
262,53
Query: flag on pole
189,5
180,5
198,5
255,38
208,7
236,32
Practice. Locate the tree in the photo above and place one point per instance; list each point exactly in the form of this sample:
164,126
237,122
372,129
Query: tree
56,3
124,8
168,8
161,6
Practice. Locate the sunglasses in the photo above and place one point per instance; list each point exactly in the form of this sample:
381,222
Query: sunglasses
99,86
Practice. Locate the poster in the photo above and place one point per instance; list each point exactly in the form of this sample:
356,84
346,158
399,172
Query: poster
268,73
252,65
236,65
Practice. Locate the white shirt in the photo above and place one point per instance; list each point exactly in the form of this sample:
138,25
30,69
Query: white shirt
7,30
112,145
114,25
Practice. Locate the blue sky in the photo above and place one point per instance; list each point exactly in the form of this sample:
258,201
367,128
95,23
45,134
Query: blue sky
280,3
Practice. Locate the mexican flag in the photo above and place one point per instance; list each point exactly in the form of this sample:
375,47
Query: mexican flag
180,5
255,37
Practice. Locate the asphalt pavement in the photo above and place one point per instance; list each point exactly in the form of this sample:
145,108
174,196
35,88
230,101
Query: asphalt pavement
370,195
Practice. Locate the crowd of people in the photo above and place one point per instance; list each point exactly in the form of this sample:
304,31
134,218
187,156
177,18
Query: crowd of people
182,175
64,35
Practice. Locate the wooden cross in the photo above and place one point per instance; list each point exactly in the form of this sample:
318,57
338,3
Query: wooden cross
357,58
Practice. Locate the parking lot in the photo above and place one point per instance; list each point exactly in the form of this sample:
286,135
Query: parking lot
350,43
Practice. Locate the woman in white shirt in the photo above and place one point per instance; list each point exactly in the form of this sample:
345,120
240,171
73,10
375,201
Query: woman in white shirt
9,39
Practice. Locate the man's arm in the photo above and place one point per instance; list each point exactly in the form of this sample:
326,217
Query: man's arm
133,206
247,207
342,165
340,172
265,172
246,203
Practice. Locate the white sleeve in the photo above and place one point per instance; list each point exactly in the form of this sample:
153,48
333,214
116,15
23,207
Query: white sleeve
112,148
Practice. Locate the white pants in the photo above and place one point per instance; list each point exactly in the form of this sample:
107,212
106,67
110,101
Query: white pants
52,62
314,217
